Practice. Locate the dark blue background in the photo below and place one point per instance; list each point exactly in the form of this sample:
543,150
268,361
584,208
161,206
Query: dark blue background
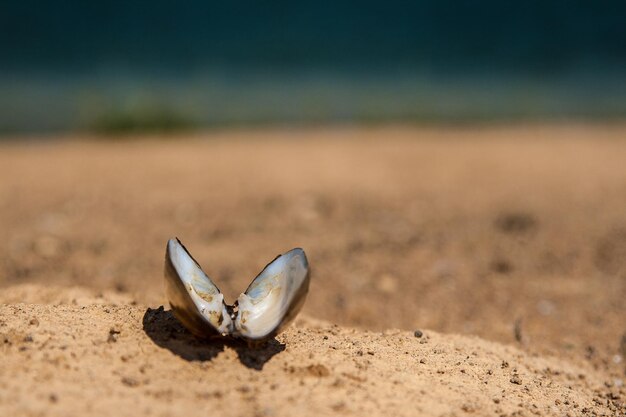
451,36
557,45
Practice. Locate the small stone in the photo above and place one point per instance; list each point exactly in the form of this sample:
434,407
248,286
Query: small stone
318,370
468,408
515,379
501,266
129,381
338,406
113,335
418,333
244,389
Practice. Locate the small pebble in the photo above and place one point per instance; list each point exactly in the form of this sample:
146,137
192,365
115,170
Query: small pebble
113,335
130,382
418,333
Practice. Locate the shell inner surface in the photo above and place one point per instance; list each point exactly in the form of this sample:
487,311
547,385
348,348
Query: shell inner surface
266,305
204,294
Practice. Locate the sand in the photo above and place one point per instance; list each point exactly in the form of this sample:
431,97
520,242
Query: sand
99,356
505,247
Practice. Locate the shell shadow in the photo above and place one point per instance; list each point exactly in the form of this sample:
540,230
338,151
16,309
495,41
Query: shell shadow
167,332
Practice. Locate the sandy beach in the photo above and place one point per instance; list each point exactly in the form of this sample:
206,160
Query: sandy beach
504,247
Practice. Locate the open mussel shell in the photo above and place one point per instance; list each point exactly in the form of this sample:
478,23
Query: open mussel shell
270,303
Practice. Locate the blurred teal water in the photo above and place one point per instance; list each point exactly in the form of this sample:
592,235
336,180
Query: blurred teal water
124,66
130,104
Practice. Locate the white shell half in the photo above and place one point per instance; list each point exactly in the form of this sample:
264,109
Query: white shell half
206,297
275,296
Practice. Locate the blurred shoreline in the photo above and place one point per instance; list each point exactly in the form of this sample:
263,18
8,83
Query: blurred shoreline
117,103
253,135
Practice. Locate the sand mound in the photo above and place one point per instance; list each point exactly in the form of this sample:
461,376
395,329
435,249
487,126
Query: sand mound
86,354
